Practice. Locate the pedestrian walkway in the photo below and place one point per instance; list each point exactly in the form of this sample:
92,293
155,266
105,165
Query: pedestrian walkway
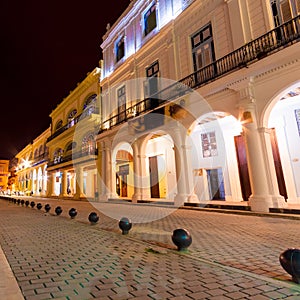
232,256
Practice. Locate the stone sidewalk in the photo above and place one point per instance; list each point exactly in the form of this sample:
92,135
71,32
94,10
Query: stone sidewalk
232,256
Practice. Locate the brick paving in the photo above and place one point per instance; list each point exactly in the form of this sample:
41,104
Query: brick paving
232,256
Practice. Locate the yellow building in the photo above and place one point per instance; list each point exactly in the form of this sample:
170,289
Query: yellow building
4,173
71,169
31,169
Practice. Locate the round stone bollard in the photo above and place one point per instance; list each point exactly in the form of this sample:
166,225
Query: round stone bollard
15,200
290,261
72,212
125,225
58,210
39,206
27,203
22,202
182,239
47,207
32,204
93,218
18,201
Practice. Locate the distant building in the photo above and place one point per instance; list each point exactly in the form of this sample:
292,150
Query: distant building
31,170
4,174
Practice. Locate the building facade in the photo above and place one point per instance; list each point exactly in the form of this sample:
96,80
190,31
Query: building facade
196,101
4,174
200,102
31,170
72,149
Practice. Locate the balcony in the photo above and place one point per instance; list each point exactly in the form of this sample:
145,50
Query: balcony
72,157
267,44
87,112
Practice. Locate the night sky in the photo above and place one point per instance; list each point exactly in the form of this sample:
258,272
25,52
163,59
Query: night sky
47,47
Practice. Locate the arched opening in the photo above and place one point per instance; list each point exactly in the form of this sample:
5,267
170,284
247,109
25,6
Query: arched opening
219,158
160,166
123,181
283,121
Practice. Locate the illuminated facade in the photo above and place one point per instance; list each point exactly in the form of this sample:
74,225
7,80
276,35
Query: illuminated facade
31,168
4,173
71,167
200,102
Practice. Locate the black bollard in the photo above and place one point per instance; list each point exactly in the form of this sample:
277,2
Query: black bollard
182,239
58,210
125,225
27,203
72,212
47,207
32,204
39,206
18,201
290,261
93,218
22,202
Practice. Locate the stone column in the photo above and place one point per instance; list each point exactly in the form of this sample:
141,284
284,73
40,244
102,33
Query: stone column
52,178
137,195
184,172
264,192
110,174
79,183
64,184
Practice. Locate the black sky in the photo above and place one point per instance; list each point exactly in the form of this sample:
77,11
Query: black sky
46,48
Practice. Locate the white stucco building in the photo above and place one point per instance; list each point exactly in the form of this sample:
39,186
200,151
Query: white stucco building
200,102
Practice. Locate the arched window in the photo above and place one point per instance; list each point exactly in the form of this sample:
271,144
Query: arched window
89,106
88,144
58,125
36,153
71,146
41,150
58,156
71,117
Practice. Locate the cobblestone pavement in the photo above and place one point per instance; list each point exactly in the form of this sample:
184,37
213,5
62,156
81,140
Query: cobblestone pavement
232,256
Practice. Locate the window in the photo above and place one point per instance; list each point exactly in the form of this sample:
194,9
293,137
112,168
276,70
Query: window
88,144
203,48
120,48
284,10
151,85
209,144
89,106
58,125
150,19
71,117
121,94
71,146
58,156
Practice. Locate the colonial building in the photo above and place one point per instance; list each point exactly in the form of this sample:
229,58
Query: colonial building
72,149
31,170
200,102
4,173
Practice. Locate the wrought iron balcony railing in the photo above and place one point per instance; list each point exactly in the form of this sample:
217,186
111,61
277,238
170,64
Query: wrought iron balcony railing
269,43
87,112
72,156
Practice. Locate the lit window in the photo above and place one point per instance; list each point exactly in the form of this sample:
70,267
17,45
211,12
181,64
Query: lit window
203,48
88,144
150,19
120,48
